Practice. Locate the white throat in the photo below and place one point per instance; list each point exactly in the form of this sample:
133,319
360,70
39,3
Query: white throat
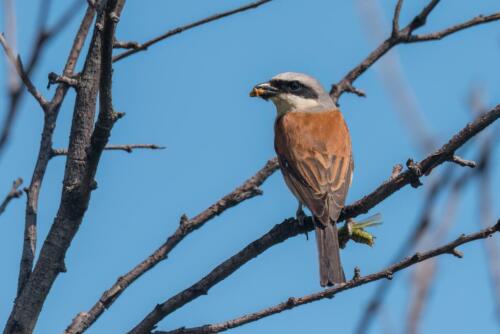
287,103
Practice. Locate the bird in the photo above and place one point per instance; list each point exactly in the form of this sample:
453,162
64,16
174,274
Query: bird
314,150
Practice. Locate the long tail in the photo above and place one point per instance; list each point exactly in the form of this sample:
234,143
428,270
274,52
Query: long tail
330,268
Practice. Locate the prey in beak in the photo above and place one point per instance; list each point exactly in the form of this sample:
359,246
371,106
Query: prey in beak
264,90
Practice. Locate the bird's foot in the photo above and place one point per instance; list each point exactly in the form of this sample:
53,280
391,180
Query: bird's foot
301,216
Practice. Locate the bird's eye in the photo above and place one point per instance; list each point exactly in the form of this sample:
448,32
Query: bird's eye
295,85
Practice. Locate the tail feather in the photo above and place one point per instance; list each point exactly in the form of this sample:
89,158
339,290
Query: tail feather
330,268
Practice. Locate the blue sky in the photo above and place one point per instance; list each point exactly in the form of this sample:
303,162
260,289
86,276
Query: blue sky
190,93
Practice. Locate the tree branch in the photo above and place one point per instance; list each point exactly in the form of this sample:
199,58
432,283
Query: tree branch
85,146
129,148
424,221
478,20
387,273
401,36
393,78
44,155
13,193
247,190
54,78
290,227
397,15
143,46
126,45
18,65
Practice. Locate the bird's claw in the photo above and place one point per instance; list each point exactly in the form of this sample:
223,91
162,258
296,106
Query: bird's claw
301,216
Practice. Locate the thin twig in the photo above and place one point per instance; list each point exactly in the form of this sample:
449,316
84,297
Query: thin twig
247,190
44,35
290,227
18,65
293,302
462,162
397,15
126,45
13,193
54,78
129,148
402,36
178,30
478,20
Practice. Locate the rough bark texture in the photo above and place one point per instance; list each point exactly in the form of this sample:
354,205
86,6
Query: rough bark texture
84,150
44,153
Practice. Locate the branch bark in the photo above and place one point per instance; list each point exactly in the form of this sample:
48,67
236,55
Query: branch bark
129,148
13,193
18,65
44,154
290,227
247,190
387,273
85,147
138,47
44,35
402,36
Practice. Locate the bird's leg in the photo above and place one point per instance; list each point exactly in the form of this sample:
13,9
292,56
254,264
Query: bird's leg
300,218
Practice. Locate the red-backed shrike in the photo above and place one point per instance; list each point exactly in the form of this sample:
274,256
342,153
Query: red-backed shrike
315,156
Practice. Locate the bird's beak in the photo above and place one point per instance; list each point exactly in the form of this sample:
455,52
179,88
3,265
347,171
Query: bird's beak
264,90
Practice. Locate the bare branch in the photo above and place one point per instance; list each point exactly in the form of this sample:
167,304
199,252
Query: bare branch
85,147
290,227
126,45
129,148
397,15
396,170
54,78
462,162
402,36
44,154
420,20
247,190
16,62
63,21
178,30
44,35
13,193
393,78
437,186
481,19
293,302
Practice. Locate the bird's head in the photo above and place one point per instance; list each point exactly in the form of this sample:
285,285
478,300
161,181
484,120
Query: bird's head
291,91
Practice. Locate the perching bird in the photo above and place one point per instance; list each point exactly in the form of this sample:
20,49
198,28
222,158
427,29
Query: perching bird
315,156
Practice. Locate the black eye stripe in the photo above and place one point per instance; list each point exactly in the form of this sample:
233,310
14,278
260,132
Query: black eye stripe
288,87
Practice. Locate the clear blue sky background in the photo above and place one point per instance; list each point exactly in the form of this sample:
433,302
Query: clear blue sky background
190,93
